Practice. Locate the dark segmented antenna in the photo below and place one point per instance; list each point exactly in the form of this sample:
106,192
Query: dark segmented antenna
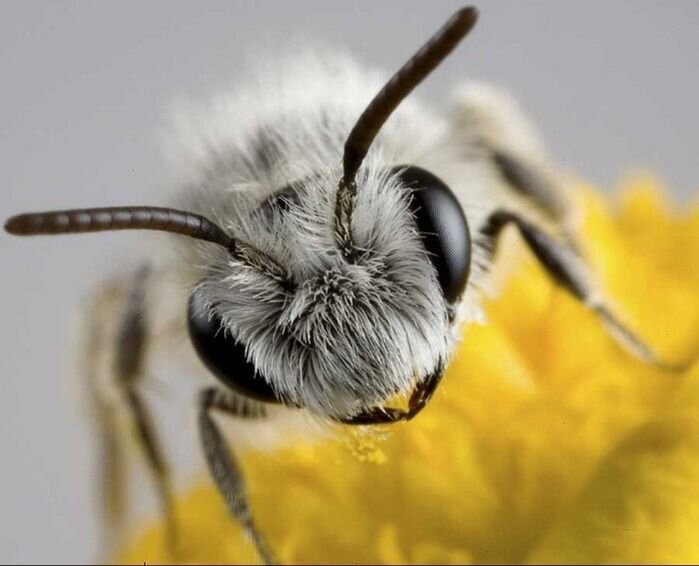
401,84
381,107
118,218
144,218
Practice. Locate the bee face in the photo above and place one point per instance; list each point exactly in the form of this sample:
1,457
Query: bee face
345,334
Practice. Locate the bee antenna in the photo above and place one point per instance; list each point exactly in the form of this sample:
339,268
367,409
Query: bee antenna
118,218
437,48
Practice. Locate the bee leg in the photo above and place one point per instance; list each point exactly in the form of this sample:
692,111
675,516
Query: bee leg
120,351
569,270
223,465
153,455
129,366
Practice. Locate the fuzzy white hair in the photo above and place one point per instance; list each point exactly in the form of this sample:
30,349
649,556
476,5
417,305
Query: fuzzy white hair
350,335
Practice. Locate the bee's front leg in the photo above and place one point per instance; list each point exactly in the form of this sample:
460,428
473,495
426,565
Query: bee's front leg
222,463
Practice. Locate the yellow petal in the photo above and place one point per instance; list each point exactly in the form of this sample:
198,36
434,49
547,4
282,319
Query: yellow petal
642,505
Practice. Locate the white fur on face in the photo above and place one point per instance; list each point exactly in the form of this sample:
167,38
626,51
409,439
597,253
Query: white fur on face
350,334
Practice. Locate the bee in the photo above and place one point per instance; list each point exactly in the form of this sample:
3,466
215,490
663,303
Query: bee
325,255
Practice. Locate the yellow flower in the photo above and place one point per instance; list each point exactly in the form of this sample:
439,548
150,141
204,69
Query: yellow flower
545,443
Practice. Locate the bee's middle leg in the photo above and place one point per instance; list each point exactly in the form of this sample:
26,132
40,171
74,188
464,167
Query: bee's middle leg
129,369
564,265
116,345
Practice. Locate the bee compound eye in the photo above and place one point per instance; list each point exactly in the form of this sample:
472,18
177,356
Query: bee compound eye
442,226
222,354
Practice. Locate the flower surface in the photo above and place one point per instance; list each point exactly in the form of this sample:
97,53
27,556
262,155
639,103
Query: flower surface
546,442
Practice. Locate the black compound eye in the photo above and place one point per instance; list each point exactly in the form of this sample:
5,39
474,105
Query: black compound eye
443,227
223,355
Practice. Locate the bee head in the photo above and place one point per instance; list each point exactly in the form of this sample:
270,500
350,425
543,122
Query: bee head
339,333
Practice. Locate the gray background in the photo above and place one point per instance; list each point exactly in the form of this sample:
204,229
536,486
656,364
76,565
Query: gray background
83,88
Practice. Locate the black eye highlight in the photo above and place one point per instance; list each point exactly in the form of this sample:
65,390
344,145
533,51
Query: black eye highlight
223,355
443,227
